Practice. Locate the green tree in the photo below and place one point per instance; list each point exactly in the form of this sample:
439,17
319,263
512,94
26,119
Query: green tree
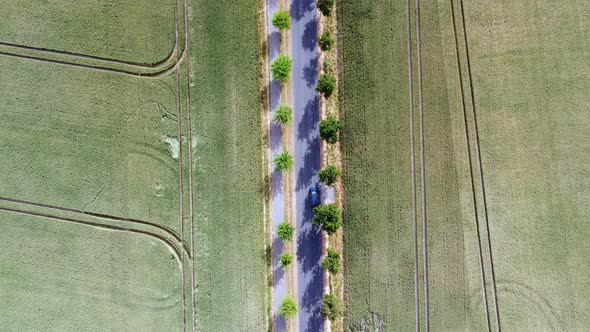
326,6
329,129
286,260
328,217
281,20
283,162
288,308
283,114
326,85
281,68
326,41
332,261
285,231
329,175
331,307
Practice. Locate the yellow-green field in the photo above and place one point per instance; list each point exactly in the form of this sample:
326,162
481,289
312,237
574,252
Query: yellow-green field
107,108
522,170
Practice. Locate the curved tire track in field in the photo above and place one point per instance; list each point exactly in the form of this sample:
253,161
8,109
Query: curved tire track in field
413,165
168,235
422,168
158,69
471,172
481,172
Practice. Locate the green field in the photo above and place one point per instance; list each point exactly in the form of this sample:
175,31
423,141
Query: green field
95,169
134,31
531,116
228,167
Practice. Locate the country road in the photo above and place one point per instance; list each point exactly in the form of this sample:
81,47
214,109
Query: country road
307,162
277,187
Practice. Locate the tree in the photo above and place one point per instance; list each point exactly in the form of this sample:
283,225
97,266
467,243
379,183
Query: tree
328,217
331,307
326,6
288,308
332,261
283,162
281,68
326,41
326,85
281,20
286,260
283,114
329,175
329,129
285,231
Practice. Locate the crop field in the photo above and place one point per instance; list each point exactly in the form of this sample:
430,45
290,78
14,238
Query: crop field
505,154
129,167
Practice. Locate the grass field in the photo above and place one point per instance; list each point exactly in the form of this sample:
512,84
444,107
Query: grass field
95,201
135,31
527,78
60,277
228,167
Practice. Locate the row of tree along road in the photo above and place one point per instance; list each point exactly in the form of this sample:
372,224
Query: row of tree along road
327,216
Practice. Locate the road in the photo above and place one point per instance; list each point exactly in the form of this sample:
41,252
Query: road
277,188
307,162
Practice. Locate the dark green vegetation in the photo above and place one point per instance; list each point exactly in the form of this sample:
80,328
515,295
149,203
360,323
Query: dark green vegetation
329,129
328,217
281,69
326,6
288,308
228,166
283,114
326,41
331,307
332,261
283,162
329,175
326,84
527,69
285,231
281,20
286,260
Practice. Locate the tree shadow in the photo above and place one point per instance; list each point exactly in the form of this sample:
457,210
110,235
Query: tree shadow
309,38
299,8
310,73
311,302
310,119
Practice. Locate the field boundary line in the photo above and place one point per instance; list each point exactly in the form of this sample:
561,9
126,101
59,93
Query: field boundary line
190,164
413,166
481,172
468,144
176,249
422,168
180,171
161,66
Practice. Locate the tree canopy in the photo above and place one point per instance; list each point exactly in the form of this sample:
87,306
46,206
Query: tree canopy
281,20
281,68
328,217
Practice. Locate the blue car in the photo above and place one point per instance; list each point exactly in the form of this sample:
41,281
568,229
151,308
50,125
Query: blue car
314,196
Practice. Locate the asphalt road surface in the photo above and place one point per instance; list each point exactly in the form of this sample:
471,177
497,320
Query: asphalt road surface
307,162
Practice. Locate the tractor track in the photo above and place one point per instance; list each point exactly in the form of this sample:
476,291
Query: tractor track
481,172
422,168
174,247
471,172
413,166
167,231
162,68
